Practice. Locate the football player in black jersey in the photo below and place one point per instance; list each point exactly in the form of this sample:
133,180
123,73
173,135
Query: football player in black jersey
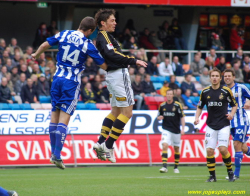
217,97
171,113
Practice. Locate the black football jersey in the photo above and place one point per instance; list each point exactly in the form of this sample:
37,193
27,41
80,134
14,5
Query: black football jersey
217,101
172,114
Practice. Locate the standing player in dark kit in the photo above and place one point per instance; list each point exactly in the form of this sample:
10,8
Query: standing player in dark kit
172,114
217,98
118,83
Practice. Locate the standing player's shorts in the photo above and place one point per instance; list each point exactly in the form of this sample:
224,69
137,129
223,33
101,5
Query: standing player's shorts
170,138
119,86
212,137
240,133
64,94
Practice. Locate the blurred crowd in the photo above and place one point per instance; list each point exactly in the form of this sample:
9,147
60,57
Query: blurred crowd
24,80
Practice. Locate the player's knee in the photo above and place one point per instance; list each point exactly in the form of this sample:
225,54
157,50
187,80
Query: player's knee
237,146
164,146
210,152
223,150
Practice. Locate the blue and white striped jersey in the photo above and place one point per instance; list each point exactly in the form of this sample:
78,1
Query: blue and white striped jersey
241,93
73,48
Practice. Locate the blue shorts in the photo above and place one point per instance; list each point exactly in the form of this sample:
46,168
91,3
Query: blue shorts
64,94
240,133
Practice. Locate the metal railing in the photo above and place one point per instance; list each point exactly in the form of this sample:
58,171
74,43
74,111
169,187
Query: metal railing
171,53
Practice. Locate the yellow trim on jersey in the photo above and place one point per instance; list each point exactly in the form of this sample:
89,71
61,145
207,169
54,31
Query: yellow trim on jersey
115,50
106,36
163,103
178,103
203,90
229,90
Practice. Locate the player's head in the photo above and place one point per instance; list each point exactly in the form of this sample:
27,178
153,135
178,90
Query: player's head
105,19
229,77
215,76
87,25
170,95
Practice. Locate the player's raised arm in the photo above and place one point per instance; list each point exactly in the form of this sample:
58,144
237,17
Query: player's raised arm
42,48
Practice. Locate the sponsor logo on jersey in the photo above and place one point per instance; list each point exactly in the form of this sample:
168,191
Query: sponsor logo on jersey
168,114
173,109
110,46
164,109
208,97
221,96
214,103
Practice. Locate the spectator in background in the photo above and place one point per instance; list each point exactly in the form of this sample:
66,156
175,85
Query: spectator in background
20,83
246,61
43,86
222,64
236,40
130,43
14,75
172,83
165,68
95,82
176,32
42,57
36,70
10,84
179,98
148,87
34,78
29,93
27,54
209,63
214,56
238,72
196,66
5,93
5,56
13,45
1,64
84,81
52,28
41,64
88,95
204,78
152,67
216,43
188,102
143,55
16,59
164,88
47,74
41,35
91,69
157,43
188,84
165,37
2,46
138,91
142,73
202,61
145,43
3,72
131,72
99,95
239,56
177,67
246,74
9,64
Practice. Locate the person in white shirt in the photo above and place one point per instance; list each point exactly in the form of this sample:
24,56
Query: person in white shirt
165,68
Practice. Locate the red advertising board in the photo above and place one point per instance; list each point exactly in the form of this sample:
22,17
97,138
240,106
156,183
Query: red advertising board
173,2
21,150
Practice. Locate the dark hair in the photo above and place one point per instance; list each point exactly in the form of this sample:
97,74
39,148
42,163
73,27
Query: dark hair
170,90
87,23
214,69
230,70
103,15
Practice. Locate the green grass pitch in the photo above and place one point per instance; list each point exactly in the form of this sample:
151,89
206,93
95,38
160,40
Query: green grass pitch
119,181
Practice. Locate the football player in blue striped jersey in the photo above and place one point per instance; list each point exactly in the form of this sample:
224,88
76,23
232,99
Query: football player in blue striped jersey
74,48
240,121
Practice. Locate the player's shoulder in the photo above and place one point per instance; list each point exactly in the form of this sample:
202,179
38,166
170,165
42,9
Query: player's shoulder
226,88
206,89
176,103
163,103
242,86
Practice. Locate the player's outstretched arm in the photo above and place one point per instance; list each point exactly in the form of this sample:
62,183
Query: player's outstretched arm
141,63
42,48
197,115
